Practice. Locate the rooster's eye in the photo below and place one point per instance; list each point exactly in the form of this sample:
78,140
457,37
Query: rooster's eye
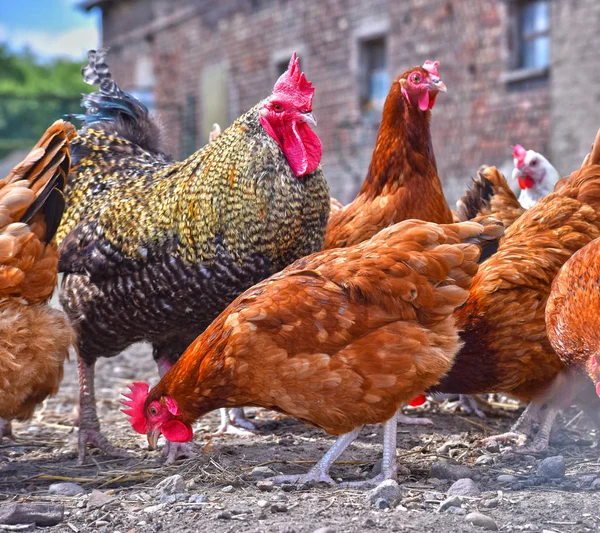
153,411
416,78
277,107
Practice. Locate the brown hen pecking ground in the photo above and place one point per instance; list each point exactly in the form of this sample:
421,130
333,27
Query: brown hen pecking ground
46,450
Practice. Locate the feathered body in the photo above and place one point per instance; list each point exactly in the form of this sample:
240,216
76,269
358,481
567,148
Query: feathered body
34,338
153,249
402,181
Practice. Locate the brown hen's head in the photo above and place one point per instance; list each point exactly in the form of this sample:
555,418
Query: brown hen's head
286,116
155,417
421,85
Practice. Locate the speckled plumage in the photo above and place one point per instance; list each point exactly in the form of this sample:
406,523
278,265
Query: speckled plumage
154,250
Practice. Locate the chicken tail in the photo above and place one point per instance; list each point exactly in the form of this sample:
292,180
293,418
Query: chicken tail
113,108
38,182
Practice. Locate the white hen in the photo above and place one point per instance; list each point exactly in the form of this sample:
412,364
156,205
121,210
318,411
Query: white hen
535,174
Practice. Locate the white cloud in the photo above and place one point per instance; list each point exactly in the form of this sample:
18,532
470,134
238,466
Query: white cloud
49,44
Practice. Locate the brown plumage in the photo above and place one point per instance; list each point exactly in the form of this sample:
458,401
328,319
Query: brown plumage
402,181
340,338
34,339
572,319
503,321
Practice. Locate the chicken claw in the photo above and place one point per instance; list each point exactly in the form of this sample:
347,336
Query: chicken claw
173,450
97,439
470,405
238,418
229,427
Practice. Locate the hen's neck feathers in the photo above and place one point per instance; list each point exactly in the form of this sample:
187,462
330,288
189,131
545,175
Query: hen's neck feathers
404,149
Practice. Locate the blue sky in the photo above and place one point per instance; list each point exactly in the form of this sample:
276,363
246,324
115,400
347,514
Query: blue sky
50,28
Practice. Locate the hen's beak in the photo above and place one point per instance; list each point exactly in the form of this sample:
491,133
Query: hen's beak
153,436
437,84
310,118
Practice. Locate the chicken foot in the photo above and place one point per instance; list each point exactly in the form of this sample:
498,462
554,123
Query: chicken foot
470,405
320,472
230,424
413,421
89,425
522,429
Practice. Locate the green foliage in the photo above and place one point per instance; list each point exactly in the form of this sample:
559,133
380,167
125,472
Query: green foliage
33,95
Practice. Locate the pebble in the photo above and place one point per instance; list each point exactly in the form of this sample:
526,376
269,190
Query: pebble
262,503
170,499
224,515
279,508
464,487
369,523
154,508
41,514
66,489
552,467
228,489
493,447
389,491
481,520
447,470
261,472
198,498
98,499
171,485
452,501
265,486
484,460
279,498
506,478
490,504
324,530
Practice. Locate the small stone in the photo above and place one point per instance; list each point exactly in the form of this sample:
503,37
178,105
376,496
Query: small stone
456,510
369,523
224,515
452,501
100,523
198,498
447,470
279,498
552,467
40,514
389,491
464,487
261,472
191,484
171,485
491,504
98,499
493,447
228,489
262,503
170,499
265,486
506,478
279,508
481,520
154,508
324,530
484,460
66,489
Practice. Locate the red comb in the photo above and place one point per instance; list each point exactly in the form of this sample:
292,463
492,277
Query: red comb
519,154
294,83
431,67
135,401
419,400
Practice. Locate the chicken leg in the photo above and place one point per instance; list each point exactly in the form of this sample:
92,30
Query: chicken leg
89,425
6,430
233,424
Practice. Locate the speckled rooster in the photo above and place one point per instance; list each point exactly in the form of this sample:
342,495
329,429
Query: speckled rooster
154,249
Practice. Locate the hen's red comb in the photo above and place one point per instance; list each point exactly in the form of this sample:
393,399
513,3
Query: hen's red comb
294,83
519,154
135,402
431,67
419,400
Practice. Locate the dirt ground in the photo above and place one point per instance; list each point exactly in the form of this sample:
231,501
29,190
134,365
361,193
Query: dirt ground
226,495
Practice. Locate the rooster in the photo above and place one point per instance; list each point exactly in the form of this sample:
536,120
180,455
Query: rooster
536,176
338,339
154,249
34,338
506,347
572,316
402,181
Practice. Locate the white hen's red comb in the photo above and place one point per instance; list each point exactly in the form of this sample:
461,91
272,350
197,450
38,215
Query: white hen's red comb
432,67
135,402
519,154
293,83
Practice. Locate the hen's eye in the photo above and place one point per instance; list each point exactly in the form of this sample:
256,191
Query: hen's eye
416,78
277,107
534,163
153,411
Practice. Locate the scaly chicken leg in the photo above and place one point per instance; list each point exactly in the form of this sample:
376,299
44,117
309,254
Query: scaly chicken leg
234,423
89,425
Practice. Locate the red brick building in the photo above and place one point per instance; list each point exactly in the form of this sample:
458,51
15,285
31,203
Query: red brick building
516,71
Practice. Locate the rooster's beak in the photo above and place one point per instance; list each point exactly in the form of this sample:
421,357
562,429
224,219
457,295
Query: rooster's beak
310,118
153,436
437,85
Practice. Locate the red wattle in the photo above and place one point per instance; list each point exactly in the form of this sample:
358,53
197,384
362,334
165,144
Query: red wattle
419,400
526,182
177,431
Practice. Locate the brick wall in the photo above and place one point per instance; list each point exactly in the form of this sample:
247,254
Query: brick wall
475,123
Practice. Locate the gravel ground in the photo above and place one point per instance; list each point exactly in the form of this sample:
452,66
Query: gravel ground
220,490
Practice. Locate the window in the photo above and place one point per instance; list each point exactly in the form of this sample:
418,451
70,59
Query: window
533,27
375,82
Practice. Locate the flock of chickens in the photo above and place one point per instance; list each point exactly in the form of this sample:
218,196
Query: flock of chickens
336,315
